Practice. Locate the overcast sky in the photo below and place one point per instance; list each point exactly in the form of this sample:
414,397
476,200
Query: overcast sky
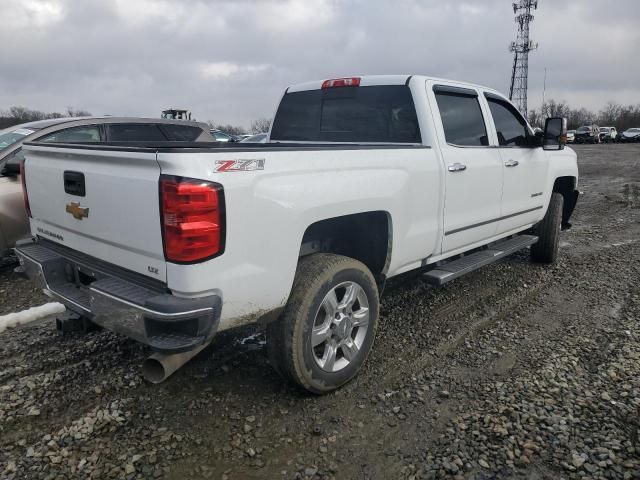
228,61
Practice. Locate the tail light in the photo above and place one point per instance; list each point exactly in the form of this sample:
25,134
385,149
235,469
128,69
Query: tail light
341,82
25,196
192,215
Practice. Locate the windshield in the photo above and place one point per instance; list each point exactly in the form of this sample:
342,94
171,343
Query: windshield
584,129
605,130
9,137
634,130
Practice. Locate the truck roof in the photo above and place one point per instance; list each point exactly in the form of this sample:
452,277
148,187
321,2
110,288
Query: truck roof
371,80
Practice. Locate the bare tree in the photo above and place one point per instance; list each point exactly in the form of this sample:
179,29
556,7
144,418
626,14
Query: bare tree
72,112
17,115
612,115
261,125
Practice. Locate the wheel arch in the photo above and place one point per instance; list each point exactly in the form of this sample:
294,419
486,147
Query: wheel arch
366,236
566,186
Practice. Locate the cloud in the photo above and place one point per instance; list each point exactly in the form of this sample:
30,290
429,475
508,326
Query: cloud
229,60
214,70
32,13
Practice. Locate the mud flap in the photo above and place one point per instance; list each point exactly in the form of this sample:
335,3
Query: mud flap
570,201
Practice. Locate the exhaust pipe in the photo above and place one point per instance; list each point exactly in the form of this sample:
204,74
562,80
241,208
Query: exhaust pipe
159,366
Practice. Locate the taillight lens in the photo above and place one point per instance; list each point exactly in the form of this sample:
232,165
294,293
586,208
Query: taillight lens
23,180
192,215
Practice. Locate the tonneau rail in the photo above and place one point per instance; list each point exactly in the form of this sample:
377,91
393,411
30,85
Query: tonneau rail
166,146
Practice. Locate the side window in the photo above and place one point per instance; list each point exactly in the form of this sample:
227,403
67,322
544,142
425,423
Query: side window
182,133
462,119
84,134
135,132
510,126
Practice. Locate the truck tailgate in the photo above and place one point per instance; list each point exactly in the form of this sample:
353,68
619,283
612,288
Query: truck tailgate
101,202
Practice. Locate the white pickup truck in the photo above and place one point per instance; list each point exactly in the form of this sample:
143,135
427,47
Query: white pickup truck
363,179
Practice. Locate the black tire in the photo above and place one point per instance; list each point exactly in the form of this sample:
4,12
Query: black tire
289,344
548,232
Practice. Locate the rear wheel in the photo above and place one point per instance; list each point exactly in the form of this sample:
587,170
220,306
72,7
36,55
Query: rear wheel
328,326
548,232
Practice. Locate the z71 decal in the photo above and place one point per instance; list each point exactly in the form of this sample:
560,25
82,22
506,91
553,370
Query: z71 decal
239,165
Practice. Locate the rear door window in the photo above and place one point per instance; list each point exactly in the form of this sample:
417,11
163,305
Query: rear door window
380,114
135,132
462,118
83,134
181,133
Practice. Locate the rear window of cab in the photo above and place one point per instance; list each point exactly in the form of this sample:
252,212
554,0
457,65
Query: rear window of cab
374,114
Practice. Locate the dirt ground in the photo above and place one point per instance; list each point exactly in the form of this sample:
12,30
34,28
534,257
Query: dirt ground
515,371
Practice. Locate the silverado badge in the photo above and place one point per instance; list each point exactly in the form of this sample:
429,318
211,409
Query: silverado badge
77,211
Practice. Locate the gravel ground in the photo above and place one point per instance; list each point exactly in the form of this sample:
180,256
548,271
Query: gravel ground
515,371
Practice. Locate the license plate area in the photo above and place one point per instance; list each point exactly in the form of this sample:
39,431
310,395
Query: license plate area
79,275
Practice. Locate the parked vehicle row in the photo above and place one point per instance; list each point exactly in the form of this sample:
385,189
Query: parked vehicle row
594,134
360,179
587,134
93,130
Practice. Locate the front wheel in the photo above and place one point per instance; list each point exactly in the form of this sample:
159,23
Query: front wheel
548,232
328,325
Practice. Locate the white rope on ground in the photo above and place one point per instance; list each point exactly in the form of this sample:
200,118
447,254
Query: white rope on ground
29,315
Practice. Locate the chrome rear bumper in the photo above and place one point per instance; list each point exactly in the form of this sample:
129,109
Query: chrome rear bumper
110,297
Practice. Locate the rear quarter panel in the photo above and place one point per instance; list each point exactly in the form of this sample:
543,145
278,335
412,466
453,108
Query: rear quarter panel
268,211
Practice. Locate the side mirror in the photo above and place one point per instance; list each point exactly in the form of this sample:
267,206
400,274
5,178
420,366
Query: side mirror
10,169
555,133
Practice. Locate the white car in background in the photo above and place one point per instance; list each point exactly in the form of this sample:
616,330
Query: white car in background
608,134
571,136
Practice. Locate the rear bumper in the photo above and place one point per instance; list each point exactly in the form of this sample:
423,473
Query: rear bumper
112,299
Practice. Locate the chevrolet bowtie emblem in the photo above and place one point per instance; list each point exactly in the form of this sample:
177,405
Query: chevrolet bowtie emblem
77,211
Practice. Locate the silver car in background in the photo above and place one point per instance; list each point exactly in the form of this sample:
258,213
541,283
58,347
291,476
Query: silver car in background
257,138
14,223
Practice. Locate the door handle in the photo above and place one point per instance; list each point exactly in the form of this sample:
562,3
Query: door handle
457,167
511,163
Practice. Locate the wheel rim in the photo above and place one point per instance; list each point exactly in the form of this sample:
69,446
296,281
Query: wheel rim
340,327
